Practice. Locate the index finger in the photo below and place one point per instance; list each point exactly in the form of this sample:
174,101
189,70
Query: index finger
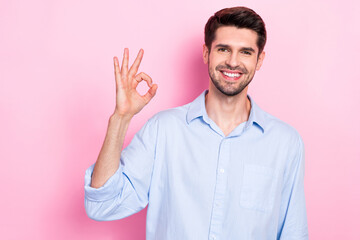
134,68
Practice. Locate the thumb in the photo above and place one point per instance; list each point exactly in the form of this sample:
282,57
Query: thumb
150,93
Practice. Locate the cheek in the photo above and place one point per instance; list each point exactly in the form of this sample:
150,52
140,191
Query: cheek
251,64
214,62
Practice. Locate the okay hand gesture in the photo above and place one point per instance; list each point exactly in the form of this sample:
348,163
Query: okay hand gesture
128,100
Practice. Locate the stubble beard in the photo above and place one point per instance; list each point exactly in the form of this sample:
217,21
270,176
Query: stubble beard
229,88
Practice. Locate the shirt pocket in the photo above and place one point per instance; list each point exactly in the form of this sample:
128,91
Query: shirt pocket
258,188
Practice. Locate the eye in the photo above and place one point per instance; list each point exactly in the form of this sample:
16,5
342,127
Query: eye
222,50
246,52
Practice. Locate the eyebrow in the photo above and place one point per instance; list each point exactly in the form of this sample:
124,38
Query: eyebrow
250,49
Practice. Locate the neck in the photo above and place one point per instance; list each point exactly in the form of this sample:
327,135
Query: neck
227,111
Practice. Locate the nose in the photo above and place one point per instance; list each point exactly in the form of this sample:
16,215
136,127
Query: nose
232,60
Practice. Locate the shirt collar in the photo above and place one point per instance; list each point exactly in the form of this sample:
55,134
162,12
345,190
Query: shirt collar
197,109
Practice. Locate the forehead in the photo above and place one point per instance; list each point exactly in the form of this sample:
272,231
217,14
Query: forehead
235,37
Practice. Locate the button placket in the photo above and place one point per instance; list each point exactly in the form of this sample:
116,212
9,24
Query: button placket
220,190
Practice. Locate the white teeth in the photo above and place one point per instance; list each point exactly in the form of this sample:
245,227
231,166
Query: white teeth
231,74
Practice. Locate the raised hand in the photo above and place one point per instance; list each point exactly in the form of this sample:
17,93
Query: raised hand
128,100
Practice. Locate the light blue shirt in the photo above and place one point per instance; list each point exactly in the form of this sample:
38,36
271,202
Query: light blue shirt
200,184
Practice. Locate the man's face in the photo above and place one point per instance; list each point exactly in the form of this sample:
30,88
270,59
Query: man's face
233,59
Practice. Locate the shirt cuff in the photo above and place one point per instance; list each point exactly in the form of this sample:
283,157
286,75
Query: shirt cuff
109,190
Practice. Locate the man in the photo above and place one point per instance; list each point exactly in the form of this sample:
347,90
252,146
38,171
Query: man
216,168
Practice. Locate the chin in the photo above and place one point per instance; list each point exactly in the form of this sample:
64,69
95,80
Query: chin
230,93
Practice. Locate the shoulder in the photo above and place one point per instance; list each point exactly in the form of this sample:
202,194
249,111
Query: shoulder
171,116
285,139
282,131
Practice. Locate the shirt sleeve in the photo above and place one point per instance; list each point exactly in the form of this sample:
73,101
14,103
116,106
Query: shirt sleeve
293,217
126,192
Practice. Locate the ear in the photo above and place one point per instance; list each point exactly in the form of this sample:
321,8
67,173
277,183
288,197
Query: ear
260,60
205,54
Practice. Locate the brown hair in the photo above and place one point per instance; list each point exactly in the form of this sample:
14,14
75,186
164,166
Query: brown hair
240,17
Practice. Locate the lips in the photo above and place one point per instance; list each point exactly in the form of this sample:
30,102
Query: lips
231,75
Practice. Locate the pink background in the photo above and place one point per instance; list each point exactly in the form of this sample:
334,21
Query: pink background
57,92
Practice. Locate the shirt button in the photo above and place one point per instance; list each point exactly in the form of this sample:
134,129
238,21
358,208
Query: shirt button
222,170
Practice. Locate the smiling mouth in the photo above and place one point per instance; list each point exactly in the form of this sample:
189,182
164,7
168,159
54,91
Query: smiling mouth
232,76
